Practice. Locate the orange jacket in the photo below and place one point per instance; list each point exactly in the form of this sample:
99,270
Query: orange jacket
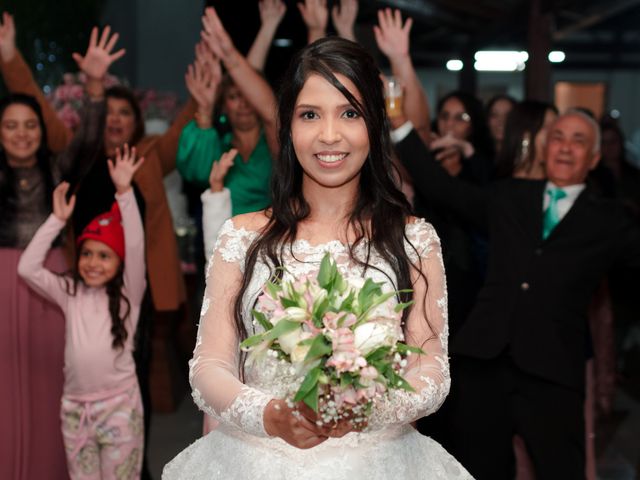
163,264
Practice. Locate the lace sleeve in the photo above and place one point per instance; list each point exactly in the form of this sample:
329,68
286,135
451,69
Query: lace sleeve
428,329
213,370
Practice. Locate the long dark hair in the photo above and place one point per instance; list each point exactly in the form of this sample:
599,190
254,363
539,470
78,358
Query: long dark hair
479,135
380,212
43,156
525,118
116,299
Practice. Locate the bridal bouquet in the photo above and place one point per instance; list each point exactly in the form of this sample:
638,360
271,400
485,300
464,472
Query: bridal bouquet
342,339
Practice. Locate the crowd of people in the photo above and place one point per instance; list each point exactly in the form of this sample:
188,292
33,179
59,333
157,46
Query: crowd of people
532,214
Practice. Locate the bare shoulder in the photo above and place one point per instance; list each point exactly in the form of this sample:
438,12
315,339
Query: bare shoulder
254,221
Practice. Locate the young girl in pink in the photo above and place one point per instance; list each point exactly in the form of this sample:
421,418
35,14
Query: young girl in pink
101,409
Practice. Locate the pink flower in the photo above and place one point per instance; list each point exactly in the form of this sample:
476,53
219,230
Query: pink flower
69,116
369,373
347,395
266,303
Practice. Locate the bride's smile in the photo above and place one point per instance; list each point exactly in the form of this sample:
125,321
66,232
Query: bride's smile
329,136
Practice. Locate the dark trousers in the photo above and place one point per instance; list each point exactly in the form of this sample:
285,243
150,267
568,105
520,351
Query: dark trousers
490,401
142,357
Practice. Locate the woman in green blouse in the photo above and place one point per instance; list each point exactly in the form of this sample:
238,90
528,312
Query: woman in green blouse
248,103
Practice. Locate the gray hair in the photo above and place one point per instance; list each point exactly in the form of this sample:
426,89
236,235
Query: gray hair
597,135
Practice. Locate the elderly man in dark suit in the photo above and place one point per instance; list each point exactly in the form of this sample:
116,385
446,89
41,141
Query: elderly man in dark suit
519,360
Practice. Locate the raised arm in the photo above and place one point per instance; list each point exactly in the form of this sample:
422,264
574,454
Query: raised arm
427,328
253,87
392,38
315,16
344,17
199,143
271,14
94,64
430,180
31,265
19,79
122,169
216,201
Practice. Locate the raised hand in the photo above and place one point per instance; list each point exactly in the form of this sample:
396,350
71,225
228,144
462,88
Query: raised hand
7,37
217,38
391,36
295,429
202,80
220,168
124,168
315,16
271,13
344,17
96,61
63,208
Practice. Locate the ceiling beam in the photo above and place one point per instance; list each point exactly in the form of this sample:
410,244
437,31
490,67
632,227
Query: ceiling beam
613,9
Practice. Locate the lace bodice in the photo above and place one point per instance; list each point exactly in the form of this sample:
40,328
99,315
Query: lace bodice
214,374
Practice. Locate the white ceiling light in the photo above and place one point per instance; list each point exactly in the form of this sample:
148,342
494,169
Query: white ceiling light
556,56
282,42
500,60
454,65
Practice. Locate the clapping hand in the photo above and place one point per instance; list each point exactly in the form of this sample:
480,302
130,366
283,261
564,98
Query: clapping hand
220,168
448,145
124,168
315,16
391,36
344,17
63,208
7,37
96,61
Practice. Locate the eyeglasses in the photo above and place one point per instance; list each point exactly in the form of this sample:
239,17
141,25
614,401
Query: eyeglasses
462,117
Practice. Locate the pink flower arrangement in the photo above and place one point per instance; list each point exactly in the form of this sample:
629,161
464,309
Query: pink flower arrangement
160,105
343,339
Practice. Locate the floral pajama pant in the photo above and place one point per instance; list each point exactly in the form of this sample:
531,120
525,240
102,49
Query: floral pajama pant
104,439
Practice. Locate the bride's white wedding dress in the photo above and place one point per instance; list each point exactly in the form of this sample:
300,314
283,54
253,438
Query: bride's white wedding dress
241,449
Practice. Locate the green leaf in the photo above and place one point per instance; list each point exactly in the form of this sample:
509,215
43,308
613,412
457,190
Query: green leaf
287,302
347,303
319,348
367,292
346,379
403,348
273,289
401,306
377,354
262,320
319,309
282,327
253,341
311,398
327,272
310,381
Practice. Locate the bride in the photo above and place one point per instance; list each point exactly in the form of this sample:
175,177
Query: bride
333,191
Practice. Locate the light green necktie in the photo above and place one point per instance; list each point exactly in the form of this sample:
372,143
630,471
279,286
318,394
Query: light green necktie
551,217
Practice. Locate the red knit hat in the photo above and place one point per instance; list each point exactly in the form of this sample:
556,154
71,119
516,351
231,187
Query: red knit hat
106,228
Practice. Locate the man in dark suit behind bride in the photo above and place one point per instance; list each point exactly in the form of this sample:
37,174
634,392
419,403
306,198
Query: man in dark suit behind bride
518,361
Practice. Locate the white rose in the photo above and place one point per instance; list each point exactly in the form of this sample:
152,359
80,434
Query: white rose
290,340
296,314
371,335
